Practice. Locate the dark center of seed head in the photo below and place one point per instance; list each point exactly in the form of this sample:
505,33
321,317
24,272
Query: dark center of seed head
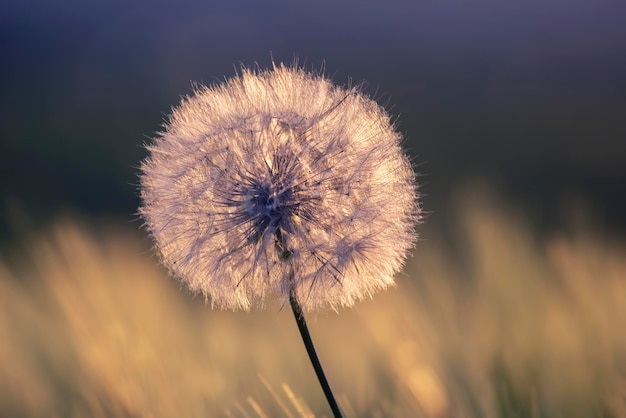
269,211
265,206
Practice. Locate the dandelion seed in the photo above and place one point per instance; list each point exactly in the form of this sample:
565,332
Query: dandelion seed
280,183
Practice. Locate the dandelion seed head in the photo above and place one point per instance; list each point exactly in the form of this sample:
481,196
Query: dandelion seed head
279,182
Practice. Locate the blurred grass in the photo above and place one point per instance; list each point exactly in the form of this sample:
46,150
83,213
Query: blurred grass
503,323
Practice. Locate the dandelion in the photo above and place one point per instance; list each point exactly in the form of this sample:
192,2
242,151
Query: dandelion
280,183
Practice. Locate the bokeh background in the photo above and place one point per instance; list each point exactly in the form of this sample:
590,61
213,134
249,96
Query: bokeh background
514,114
528,96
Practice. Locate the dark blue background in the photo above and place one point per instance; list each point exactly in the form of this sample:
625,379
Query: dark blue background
529,96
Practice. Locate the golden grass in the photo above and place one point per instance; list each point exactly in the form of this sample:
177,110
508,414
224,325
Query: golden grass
506,325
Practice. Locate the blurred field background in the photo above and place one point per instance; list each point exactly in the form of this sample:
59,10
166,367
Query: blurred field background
499,322
513,305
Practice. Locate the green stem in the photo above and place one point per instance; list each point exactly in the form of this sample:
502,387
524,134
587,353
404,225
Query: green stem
285,255
310,349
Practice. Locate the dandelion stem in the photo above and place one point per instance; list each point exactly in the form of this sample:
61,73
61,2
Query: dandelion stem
310,349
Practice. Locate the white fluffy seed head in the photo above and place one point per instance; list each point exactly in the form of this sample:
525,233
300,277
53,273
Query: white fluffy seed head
279,182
